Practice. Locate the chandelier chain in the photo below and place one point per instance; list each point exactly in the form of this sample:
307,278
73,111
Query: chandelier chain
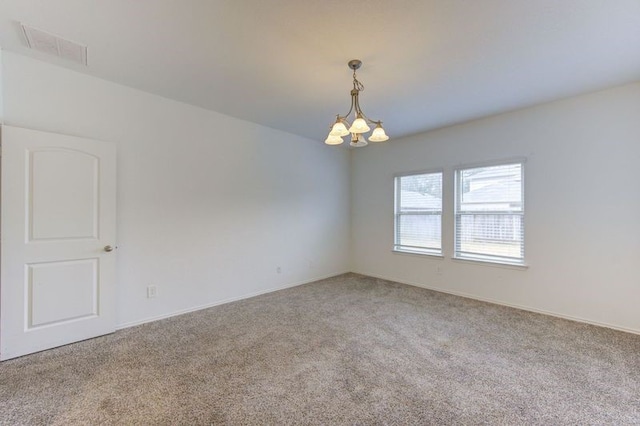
356,83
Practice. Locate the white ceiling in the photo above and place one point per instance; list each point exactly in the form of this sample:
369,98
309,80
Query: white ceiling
282,63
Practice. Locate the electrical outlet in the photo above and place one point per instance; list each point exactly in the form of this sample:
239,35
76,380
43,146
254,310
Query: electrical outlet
438,270
152,292
278,269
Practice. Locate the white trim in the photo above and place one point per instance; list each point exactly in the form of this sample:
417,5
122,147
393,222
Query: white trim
489,163
420,172
414,284
493,263
225,301
510,305
417,253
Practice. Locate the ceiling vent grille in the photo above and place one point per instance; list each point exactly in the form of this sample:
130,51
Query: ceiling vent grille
54,45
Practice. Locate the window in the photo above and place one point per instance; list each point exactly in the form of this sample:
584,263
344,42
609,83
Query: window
489,213
418,227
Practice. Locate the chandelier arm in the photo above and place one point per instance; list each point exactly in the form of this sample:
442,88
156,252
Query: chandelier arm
359,111
356,101
353,103
370,120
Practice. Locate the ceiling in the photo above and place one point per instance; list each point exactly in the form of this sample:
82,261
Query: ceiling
283,63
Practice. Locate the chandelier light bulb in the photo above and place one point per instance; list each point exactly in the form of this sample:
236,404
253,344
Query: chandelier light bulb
359,126
358,141
339,129
333,140
378,134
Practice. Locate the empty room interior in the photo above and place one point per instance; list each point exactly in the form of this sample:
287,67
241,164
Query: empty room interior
320,212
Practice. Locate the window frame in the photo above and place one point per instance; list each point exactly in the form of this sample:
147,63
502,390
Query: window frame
423,251
499,260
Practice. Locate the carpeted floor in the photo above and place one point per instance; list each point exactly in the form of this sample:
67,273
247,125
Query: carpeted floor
346,350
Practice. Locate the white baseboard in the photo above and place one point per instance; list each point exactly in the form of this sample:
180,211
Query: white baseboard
511,305
414,284
222,302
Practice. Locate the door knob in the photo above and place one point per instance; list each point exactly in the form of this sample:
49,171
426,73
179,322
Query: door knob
108,248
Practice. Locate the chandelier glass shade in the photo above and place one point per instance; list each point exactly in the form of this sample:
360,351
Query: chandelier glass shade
360,123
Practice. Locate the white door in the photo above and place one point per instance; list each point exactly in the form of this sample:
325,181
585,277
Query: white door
57,277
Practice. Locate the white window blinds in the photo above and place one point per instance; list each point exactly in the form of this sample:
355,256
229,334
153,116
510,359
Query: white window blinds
489,213
418,217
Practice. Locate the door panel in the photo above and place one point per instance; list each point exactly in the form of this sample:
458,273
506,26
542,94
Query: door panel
57,283
72,284
62,205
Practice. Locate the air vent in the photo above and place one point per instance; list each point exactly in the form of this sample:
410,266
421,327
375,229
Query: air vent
54,45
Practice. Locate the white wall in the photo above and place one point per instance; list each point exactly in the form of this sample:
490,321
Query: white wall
1,90
208,205
582,200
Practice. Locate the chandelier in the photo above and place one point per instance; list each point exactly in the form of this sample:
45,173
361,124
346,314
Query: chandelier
360,125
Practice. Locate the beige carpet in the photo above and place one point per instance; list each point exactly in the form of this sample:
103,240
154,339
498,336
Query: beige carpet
347,350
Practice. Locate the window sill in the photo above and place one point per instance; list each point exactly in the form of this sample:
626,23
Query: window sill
417,253
492,263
